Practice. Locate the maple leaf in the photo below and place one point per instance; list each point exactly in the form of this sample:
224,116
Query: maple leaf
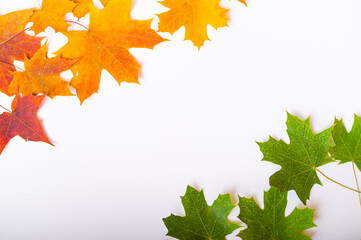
202,222
299,159
194,16
14,44
106,46
52,14
270,222
82,7
22,121
41,75
347,144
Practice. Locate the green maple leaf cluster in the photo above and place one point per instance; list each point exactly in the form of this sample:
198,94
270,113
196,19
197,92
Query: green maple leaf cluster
299,161
203,222
307,151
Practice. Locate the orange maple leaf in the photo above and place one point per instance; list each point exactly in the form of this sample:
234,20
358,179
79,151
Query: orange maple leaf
52,14
14,44
194,16
22,121
82,7
41,75
105,46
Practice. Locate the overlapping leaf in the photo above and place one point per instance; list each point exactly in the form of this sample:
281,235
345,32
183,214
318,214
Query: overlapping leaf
15,44
42,76
106,46
348,144
22,121
299,159
271,223
194,16
202,222
82,7
52,14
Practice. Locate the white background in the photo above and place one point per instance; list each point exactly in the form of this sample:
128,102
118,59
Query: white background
122,159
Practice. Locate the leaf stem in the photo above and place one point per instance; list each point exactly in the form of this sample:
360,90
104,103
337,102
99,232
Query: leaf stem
337,182
12,65
358,188
5,109
69,21
14,36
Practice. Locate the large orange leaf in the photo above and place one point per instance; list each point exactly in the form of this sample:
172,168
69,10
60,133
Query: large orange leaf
22,121
14,44
194,16
82,7
52,14
105,46
41,75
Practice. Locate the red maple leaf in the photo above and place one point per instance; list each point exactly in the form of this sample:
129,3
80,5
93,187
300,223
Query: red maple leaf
22,121
15,44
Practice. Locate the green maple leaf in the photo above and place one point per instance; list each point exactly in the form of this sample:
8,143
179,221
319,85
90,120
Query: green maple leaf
299,159
347,145
202,222
271,223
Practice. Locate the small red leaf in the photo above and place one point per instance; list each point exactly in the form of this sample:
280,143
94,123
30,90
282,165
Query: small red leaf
22,121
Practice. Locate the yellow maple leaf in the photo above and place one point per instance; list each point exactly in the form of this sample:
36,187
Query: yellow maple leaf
52,14
194,16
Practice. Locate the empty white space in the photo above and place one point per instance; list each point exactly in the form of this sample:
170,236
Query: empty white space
124,157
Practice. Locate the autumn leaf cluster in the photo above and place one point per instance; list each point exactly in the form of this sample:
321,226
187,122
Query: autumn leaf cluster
102,44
